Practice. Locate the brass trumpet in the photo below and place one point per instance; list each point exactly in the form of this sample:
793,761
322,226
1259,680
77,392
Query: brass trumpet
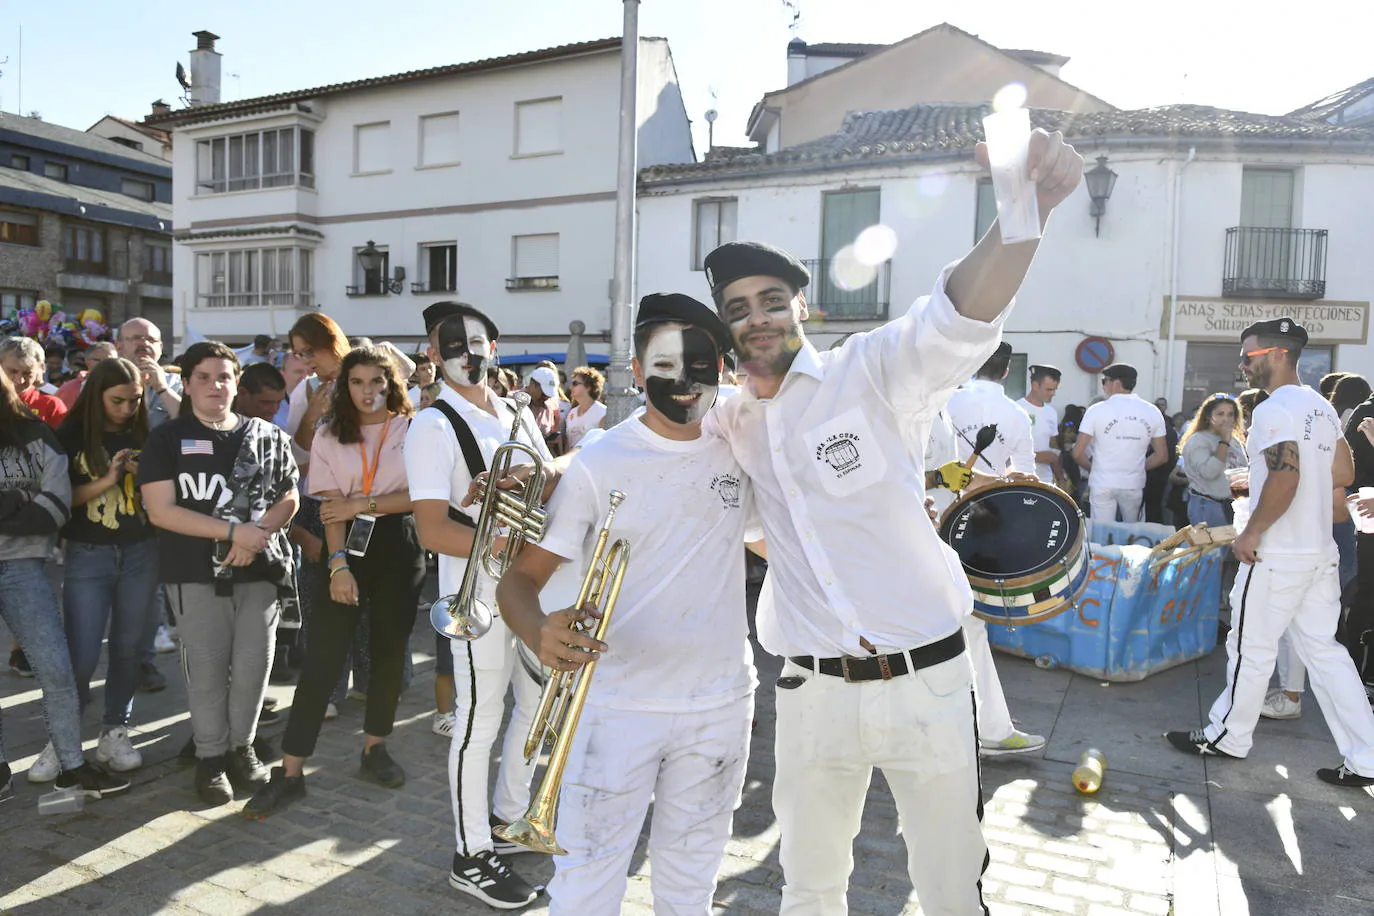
463,615
560,705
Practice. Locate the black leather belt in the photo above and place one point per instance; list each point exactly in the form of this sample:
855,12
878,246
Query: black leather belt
885,667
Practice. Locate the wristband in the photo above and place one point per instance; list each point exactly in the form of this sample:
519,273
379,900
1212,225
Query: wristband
336,570
338,555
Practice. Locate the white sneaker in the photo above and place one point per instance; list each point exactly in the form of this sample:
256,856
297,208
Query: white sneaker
443,724
163,642
47,767
331,712
1018,742
1277,705
116,751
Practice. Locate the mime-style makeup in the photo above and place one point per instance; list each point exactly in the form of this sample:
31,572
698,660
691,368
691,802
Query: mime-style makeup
464,350
681,368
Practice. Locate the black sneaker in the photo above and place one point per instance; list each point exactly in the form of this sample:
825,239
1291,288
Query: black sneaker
1344,776
245,769
212,781
490,880
19,663
150,680
504,847
378,767
1196,742
92,781
265,751
6,782
278,794
268,716
281,672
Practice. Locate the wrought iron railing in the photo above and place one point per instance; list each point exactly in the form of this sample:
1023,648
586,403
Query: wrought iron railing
849,291
1275,263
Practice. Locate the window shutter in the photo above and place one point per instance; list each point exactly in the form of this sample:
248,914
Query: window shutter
439,139
536,256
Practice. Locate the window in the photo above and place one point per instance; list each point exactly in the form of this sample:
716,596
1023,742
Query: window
253,278
143,190
535,262
157,267
125,141
985,209
18,161
12,300
371,148
84,250
18,228
439,139
262,159
371,282
55,170
714,222
539,127
439,261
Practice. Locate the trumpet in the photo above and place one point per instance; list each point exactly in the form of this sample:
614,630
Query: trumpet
560,705
463,615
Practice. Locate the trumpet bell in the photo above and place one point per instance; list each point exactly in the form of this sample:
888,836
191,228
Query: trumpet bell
451,620
532,833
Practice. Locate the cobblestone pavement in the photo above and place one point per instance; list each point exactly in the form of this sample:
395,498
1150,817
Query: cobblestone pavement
1164,836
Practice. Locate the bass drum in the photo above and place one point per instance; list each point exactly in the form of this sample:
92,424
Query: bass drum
1024,548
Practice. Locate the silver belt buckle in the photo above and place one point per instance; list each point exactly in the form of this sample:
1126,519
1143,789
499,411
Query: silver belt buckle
844,669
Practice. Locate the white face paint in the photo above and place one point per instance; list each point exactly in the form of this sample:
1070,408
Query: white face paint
681,373
464,350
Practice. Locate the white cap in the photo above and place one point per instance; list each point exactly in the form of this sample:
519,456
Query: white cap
547,381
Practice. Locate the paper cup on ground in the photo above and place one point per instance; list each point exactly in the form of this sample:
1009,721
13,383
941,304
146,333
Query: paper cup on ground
1008,138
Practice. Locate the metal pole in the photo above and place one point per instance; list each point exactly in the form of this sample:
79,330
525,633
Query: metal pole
621,400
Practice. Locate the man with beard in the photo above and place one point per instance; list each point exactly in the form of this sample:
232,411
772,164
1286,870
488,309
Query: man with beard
862,598
668,716
447,446
1289,577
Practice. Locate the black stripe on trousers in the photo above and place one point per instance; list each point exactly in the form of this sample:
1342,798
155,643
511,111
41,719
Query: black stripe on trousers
462,751
978,763
1240,656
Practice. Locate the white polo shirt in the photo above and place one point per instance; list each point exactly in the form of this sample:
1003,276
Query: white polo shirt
1296,413
679,637
1044,427
1122,427
981,402
851,552
436,468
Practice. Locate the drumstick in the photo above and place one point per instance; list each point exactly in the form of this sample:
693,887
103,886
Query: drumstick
985,437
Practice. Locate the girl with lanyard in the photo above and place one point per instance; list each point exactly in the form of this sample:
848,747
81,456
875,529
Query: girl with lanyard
357,466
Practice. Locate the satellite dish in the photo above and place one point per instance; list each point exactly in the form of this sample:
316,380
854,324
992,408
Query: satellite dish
181,77
710,116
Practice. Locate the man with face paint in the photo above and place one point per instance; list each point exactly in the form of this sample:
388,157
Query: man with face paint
462,341
862,598
671,702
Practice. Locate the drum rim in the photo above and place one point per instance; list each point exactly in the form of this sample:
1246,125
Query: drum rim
1069,601
1027,581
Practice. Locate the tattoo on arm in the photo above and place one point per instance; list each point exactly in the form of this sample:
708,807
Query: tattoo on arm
1282,456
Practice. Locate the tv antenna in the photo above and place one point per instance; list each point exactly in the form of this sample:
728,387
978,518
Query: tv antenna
793,7
710,129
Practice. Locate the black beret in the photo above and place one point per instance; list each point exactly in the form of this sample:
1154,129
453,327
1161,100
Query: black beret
439,311
1122,373
735,260
1284,328
658,307
1003,350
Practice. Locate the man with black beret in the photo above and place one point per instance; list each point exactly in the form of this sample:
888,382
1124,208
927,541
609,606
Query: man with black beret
1289,578
1129,440
670,708
862,597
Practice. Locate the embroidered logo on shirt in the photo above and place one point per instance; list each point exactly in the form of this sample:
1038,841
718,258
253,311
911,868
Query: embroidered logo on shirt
727,487
197,447
841,452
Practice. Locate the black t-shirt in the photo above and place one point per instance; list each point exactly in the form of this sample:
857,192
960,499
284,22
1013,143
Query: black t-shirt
200,463
113,517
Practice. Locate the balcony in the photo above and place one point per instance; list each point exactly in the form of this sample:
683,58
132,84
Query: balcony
1275,263
830,298
254,300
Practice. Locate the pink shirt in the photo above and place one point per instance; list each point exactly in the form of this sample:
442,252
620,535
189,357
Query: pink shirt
334,466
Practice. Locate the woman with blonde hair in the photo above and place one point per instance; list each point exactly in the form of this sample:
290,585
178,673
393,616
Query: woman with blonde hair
587,411
1213,442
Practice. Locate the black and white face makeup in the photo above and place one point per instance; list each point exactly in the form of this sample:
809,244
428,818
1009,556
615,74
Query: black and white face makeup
464,350
681,367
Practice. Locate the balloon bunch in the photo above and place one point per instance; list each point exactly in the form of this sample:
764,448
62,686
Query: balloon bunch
48,324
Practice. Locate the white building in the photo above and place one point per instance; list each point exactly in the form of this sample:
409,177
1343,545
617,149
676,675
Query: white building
492,182
1218,217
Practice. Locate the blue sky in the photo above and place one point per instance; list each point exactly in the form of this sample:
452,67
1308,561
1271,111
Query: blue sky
89,58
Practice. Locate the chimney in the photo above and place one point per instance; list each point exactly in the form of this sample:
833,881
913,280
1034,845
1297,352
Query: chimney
161,108
205,62
796,61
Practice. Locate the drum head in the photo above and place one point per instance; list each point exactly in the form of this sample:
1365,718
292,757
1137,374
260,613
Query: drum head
1011,530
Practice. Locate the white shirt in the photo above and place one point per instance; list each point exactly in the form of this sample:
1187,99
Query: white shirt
680,634
1296,413
851,552
436,469
941,447
1044,427
576,426
296,404
981,402
1122,427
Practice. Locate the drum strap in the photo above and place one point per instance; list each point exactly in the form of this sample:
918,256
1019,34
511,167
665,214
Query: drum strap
885,667
472,454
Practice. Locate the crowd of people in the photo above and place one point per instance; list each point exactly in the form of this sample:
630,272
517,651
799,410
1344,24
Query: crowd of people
280,507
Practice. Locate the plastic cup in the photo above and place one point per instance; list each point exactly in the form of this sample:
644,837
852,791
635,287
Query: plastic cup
62,801
1363,524
1018,210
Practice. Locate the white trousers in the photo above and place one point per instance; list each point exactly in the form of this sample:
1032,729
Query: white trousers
483,671
690,765
919,729
1106,501
994,719
1292,672
1303,596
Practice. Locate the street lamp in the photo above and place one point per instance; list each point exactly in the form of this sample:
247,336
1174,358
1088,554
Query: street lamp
371,259
1100,181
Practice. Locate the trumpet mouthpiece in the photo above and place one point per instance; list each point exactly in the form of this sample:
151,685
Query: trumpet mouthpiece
617,497
521,399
